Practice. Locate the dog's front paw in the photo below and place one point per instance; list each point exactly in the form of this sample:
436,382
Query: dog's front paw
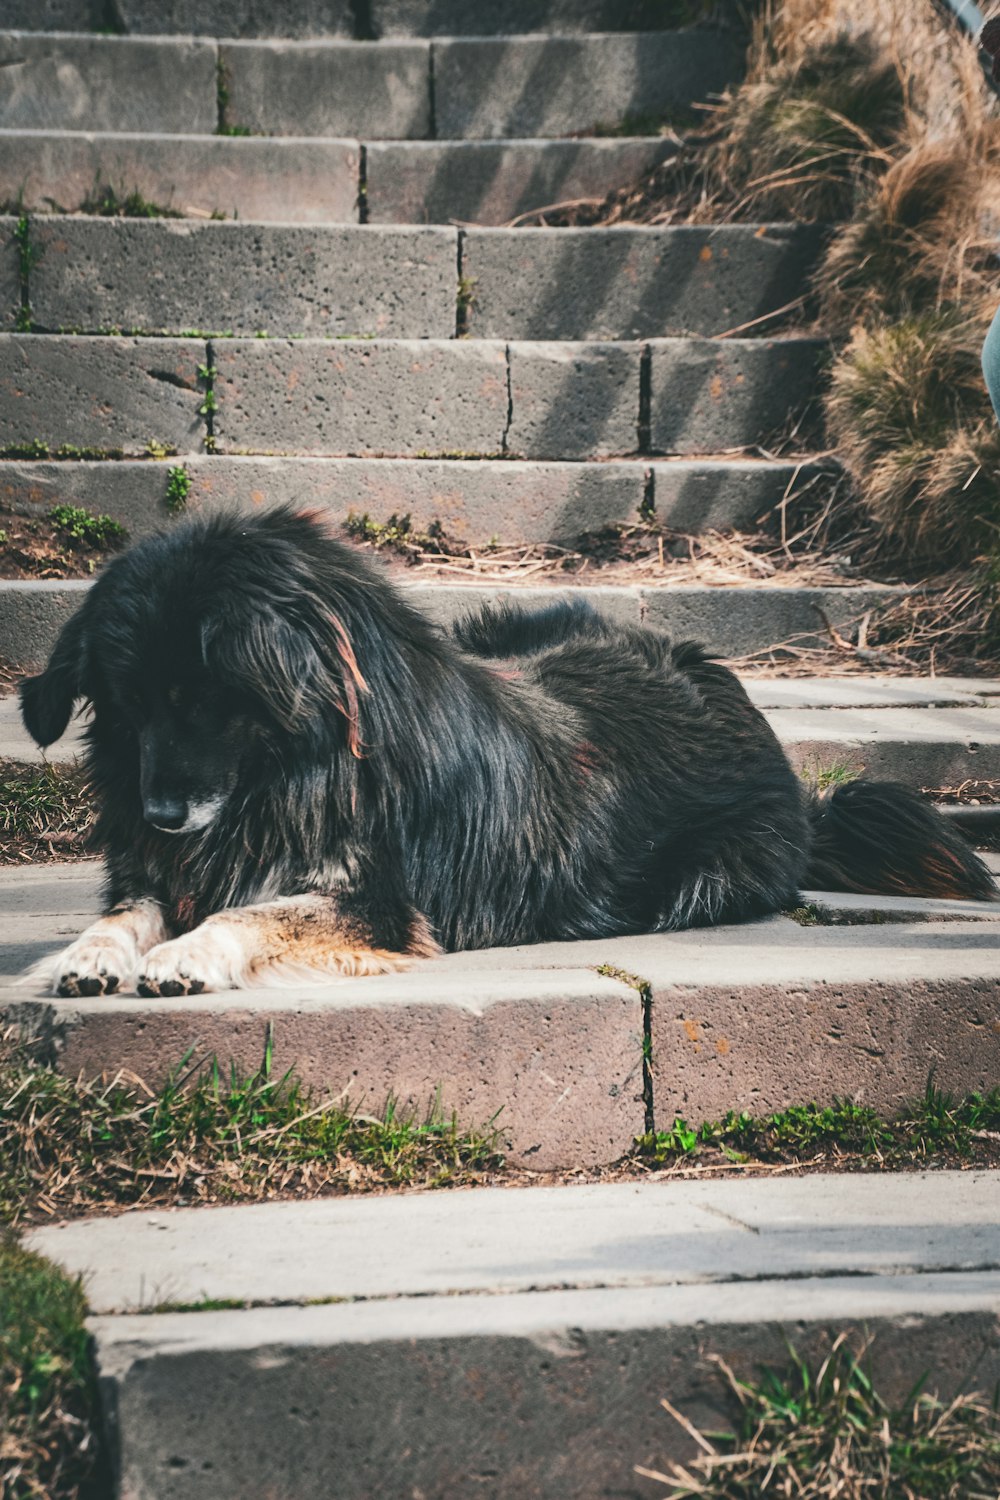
94,965
209,958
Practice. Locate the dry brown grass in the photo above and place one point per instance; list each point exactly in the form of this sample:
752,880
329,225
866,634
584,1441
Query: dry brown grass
818,1430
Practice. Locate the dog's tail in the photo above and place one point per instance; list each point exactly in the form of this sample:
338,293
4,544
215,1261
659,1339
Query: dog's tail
879,839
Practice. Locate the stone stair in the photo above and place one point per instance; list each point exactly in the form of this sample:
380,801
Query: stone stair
523,1343
360,328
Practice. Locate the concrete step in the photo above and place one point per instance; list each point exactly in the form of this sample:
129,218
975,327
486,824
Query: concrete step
624,283
526,1336
429,398
548,1039
329,18
518,500
300,180
735,621
923,732
484,88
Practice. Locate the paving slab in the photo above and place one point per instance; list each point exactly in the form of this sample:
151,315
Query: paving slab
568,85
524,501
329,88
237,18
10,274
170,275
537,1395
534,1239
361,396
871,692
707,396
514,17
696,495
471,500
573,400
734,622
633,281
834,907
64,82
553,1058
492,182
758,1016
112,395
51,15
753,618
935,748
284,180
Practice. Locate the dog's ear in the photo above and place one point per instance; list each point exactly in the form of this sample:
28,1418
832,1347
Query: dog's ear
272,660
47,700
296,672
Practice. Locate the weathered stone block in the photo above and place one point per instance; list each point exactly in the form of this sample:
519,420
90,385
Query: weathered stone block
492,182
32,613
267,180
236,18
573,400
514,17
544,1394
707,397
554,1056
361,397
634,281
864,1013
51,15
108,83
446,604
110,394
549,86
694,495
171,275
476,501
317,89
753,618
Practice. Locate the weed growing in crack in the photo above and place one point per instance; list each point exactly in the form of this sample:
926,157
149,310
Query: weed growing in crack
178,488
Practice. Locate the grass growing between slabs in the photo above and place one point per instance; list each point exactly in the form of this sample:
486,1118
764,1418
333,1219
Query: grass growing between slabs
819,1429
69,1146
46,813
935,1129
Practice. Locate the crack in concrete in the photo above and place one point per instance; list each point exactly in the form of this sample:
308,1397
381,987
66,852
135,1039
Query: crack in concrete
504,441
720,1213
541,1288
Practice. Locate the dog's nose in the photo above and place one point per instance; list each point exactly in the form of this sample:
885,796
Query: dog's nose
166,813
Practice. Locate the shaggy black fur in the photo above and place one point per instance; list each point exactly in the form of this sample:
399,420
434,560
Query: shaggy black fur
529,777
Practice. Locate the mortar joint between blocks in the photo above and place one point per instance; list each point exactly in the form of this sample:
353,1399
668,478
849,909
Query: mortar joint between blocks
431,94
362,183
644,989
644,423
209,406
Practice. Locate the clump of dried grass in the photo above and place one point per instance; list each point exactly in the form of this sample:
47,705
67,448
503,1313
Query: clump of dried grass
820,1429
795,140
912,425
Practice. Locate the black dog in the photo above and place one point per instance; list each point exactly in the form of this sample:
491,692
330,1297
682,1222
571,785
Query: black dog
297,774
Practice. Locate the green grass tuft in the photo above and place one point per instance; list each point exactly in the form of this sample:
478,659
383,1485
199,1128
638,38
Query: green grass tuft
210,1136
935,1124
819,1429
47,1386
45,811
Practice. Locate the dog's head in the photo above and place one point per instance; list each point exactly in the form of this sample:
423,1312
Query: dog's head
204,649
